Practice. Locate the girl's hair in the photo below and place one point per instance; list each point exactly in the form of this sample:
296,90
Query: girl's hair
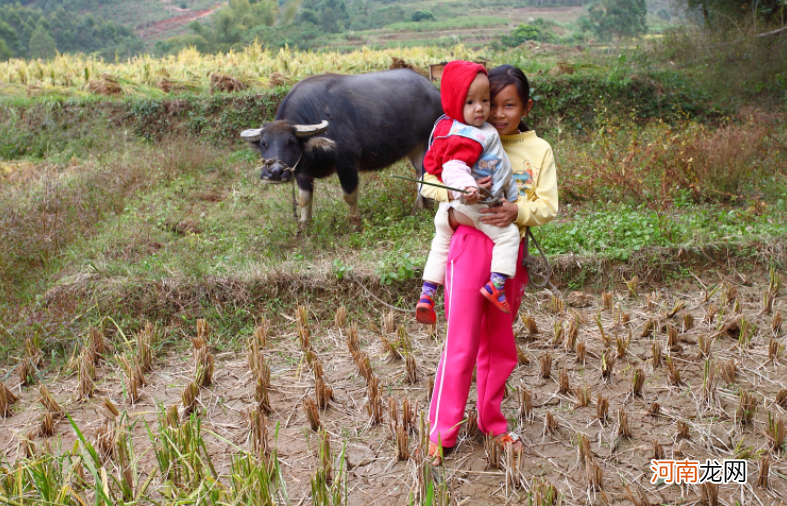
506,75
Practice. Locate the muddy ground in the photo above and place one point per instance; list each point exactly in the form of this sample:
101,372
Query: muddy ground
375,476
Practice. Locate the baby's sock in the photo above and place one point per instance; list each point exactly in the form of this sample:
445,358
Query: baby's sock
429,289
499,280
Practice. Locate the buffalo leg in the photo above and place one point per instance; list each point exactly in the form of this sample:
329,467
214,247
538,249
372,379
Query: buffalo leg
416,157
306,195
348,178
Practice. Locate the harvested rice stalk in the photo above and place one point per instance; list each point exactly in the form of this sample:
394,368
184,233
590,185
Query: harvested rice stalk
29,449
656,358
647,328
323,392
776,434
471,425
393,416
704,344
545,362
87,371
673,372
7,399
747,407
710,313
581,352
261,333
402,443
302,320
558,305
607,340
514,464
767,303
226,83
312,413
261,388
623,345
572,333
683,430
776,323
583,448
50,404
781,398
409,415
623,424
258,422
607,366
389,325
672,335
530,324
404,340
658,450
637,497
729,294
145,340
595,475
525,398
189,398
564,386
550,424
203,330
105,439
492,451
583,396
602,408
411,369
709,494
324,455
98,345
374,401
679,305
688,322
47,425
204,374
352,339
624,317
709,383
544,493
172,418
522,358
364,365
655,409
638,383
316,364
557,336
391,348
765,470
773,350
340,319
606,300
633,286
728,370
27,371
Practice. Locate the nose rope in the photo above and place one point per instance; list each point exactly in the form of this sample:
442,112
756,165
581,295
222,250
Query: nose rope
268,162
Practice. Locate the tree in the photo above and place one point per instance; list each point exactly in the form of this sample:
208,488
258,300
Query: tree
419,16
618,18
723,13
41,45
5,53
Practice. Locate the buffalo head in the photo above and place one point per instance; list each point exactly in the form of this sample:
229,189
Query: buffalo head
282,145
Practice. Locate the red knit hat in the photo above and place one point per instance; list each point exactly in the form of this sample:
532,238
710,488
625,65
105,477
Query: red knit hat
454,84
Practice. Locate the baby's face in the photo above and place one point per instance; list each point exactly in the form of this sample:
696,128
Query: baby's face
476,109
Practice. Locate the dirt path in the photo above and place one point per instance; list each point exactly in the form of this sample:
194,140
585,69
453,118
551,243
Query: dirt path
165,28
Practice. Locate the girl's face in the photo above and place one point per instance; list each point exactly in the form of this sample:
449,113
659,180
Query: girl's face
476,108
507,109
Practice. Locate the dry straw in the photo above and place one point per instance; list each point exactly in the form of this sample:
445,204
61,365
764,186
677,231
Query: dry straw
623,424
530,324
411,369
728,371
525,401
607,366
765,470
688,322
189,397
564,387
261,333
683,430
389,325
581,351
145,341
258,423
606,300
87,372
747,407
492,451
7,399
471,424
323,392
638,496
572,333
776,433
655,409
521,356
658,450
633,286
623,345
583,396
514,464
302,320
374,401
262,383
673,373
594,474
602,408
312,413
709,494
340,319
638,382
550,424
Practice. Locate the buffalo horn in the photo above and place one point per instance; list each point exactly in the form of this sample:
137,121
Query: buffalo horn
309,130
253,135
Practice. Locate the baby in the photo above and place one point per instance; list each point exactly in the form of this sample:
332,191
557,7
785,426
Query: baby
463,148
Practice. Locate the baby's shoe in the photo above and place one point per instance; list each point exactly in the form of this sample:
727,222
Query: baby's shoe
424,311
496,296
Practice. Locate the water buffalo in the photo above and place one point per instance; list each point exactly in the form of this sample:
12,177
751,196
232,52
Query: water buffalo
344,124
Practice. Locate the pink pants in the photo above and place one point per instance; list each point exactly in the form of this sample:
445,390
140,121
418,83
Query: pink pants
478,334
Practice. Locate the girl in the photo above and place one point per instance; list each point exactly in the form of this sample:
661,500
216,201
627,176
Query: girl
476,334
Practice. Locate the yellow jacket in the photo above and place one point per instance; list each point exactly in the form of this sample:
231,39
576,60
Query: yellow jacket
535,174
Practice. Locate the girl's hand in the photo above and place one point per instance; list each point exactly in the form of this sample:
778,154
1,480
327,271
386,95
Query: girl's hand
502,215
485,182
